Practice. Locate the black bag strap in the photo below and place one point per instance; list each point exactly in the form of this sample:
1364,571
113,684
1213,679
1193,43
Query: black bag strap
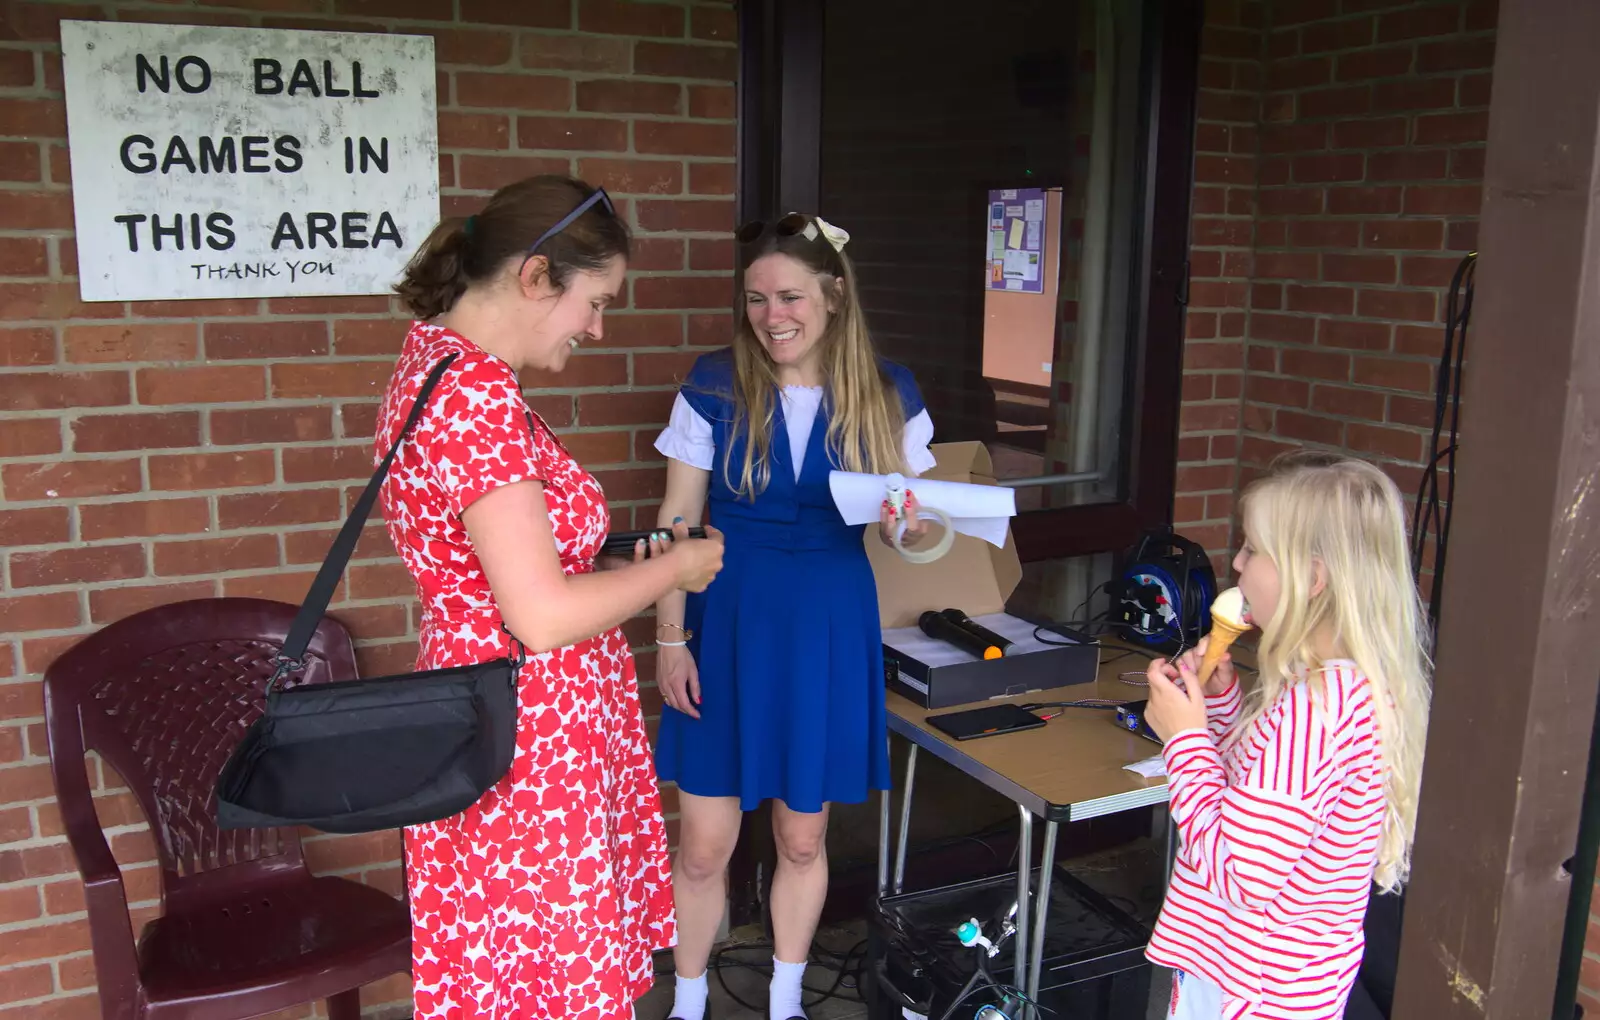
292,656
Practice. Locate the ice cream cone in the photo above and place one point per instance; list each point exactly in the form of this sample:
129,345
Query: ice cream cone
1223,634
1230,617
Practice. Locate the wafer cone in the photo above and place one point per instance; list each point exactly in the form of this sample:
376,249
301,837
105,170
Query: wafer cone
1223,634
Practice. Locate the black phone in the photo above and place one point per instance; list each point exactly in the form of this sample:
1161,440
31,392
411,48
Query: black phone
990,721
621,543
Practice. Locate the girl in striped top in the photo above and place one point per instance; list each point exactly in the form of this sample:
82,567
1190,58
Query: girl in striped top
1291,801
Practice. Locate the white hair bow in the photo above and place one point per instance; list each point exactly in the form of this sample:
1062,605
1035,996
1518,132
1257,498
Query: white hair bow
835,236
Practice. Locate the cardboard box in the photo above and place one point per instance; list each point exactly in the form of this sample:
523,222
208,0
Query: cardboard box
977,578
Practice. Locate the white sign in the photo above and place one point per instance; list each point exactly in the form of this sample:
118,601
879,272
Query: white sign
241,162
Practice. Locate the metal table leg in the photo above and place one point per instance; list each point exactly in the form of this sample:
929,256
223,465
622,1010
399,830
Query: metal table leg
1019,975
905,820
1036,944
883,842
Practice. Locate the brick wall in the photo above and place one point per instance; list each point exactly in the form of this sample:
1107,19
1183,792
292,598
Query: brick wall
158,451
1340,151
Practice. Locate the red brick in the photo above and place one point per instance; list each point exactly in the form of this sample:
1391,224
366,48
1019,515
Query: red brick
189,310
25,256
1314,364
381,580
19,161
290,588
326,463
1425,341
1293,201
1226,106
1380,63
594,448
369,337
1207,231
475,131
1467,164
1414,94
1346,34
1453,128
717,24
44,391
1475,89
30,437
36,210
661,369
710,331
156,342
1393,374
1299,73
1271,172
653,254
634,176
1200,478
625,96
1202,294
1321,169
1343,101
1456,55
1234,43
41,525
55,611
633,330
32,982
112,432
1417,306
1358,268
211,470
1419,22
70,480
1482,15
1422,271
683,139
1295,12
1213,356
241,552
1387,442
1323,234
1287,265
16,69
1414,411
513,91
1291,329
1197,388
471,48
623,17
77,566
586,133
680,60
1443,200
1409,165
683,292
712,102
576,53
201,384
583,370
276,509
1205,264
266,340
1212,169
22,945
1285,392
1369,134
1208,417
1348,403
34,118
706,215
527,14
130,519
312,546
1426,235
1308,428
291,381
1462,236
491,173
1291,138
271,425
705,253
1321,300
643,408
1367,200
1364,336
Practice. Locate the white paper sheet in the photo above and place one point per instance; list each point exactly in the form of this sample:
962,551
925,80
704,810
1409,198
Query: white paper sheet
982,511
911,641
1150,768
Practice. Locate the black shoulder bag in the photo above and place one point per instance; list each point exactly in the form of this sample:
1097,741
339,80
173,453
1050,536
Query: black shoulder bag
363,755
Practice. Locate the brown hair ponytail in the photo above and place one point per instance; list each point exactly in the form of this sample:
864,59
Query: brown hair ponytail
462,252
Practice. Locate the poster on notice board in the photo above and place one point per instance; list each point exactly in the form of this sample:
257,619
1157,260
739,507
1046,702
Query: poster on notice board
1016,240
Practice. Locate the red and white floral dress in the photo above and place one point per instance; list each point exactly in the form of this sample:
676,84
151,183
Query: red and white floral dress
546,898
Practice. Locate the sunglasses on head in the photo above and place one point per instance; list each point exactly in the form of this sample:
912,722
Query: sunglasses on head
598,198
789,226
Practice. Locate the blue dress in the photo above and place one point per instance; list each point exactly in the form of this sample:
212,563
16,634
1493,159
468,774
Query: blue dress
786,638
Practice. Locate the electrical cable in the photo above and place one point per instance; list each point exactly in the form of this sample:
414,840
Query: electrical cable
1433,512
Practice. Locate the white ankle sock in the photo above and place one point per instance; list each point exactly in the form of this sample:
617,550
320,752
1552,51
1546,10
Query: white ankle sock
689,997
784,998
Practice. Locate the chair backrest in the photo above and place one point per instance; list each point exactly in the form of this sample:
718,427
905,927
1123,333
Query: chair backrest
164,696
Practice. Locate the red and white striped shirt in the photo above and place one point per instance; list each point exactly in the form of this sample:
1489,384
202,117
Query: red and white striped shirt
1279,841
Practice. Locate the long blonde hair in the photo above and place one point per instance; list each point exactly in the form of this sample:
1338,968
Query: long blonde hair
866,418
1347,515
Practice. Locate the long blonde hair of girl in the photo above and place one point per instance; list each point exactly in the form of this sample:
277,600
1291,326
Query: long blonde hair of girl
866,419
1348,516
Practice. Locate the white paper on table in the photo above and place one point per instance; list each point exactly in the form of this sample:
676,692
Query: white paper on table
1150,768
982,511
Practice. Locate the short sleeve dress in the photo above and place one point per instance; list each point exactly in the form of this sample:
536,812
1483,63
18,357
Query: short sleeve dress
786,639
547,897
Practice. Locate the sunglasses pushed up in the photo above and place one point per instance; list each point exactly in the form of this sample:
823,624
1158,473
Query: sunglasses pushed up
790,226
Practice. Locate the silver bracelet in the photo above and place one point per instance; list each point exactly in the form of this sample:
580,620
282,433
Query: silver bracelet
672,644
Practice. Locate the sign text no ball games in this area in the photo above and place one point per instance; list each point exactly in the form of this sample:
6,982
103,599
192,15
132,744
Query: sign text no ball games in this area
229,162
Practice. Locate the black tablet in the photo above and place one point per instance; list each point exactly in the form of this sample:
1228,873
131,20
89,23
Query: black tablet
989,721
621,543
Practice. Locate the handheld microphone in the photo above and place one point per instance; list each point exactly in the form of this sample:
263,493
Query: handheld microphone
940,628
977,630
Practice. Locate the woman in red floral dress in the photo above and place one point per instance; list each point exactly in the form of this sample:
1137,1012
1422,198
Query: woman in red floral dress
547,897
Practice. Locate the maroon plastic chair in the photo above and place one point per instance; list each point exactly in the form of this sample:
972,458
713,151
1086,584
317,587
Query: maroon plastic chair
164,696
